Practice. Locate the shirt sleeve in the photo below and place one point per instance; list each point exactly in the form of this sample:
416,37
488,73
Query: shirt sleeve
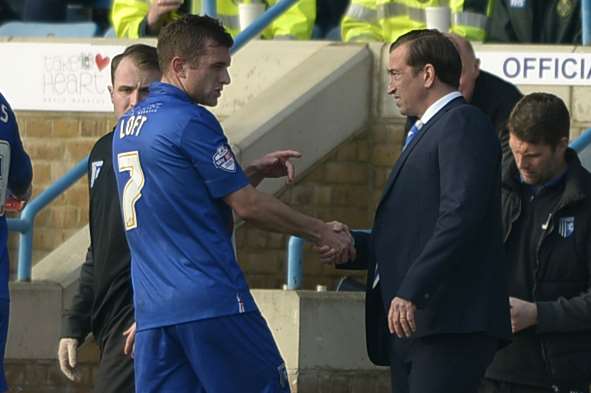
20,173
204,142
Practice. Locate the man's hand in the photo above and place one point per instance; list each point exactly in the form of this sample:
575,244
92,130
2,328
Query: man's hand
401,317
523,314
275,164
333,255
129,347
158,9
67,354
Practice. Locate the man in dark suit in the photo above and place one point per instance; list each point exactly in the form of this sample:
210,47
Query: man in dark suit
436,303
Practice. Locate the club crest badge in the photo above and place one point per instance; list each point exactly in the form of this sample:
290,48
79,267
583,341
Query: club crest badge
566,226
224,159
95,170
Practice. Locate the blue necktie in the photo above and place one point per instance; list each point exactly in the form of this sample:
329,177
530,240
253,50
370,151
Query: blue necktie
412,133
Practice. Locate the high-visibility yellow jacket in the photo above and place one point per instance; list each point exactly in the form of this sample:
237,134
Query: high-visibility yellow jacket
295,23
386,20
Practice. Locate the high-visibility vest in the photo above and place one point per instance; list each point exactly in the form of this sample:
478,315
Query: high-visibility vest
386,20
296,23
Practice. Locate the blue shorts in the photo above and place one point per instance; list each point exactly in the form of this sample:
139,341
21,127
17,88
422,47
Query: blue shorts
228,354
4,313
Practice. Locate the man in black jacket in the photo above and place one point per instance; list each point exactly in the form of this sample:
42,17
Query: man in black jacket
546,198
103,303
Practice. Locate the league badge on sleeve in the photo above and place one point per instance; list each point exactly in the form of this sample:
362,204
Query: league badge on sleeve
566,226
224,159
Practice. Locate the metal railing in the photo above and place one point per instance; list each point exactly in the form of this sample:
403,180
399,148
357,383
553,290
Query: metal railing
25,223
586,21
295,247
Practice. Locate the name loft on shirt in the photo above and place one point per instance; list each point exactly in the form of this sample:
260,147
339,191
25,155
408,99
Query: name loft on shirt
132,126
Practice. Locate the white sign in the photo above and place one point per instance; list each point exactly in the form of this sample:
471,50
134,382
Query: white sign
57,76
523,68
74,77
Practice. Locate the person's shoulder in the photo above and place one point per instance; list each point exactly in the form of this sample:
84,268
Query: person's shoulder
204,119
464,115
103,144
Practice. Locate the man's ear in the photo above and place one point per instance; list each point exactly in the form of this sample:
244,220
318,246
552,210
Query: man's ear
110,88
429,78
476,67
562,145
178,67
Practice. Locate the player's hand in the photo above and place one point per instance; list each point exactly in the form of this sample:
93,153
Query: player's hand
158,9
274,164
336,245
129,347
16,203
401,317
523,314
67,355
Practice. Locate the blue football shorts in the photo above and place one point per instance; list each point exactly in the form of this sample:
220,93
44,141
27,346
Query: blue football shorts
228,354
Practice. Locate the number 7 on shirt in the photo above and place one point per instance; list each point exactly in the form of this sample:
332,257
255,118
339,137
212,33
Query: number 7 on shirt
132,192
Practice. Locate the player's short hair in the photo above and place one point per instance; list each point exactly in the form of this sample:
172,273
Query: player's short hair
145,58
540,118
188,38
432,47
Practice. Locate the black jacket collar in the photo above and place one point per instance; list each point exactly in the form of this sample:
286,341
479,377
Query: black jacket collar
577,182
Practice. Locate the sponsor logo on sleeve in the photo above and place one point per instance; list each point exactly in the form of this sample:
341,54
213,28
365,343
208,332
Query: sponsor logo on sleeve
224,159
566,226
95,170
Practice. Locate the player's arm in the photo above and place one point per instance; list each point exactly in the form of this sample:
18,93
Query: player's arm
268,212
77,320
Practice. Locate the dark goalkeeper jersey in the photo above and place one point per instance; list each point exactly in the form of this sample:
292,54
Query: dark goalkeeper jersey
105,292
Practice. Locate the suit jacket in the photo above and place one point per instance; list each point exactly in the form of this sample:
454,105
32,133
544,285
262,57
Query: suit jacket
437,235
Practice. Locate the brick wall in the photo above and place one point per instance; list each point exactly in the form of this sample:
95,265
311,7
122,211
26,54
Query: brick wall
44,376
345,186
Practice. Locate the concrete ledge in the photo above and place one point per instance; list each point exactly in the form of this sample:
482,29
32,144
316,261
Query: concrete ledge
333,83
62,265
35,318
321,336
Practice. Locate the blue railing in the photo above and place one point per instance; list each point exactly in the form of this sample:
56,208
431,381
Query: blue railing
24,224
295,245
586,21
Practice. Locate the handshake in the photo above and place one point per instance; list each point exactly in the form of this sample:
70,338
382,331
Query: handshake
336,245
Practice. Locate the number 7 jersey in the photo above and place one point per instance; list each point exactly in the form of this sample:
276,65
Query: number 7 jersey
174,166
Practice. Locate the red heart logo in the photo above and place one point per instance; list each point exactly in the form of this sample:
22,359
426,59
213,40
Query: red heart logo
101,62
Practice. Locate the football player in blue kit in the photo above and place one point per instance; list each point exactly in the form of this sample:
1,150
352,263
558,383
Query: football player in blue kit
198,327
15,180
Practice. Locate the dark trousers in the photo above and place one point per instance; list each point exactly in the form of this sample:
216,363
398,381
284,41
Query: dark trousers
441,364
492,386
115,370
